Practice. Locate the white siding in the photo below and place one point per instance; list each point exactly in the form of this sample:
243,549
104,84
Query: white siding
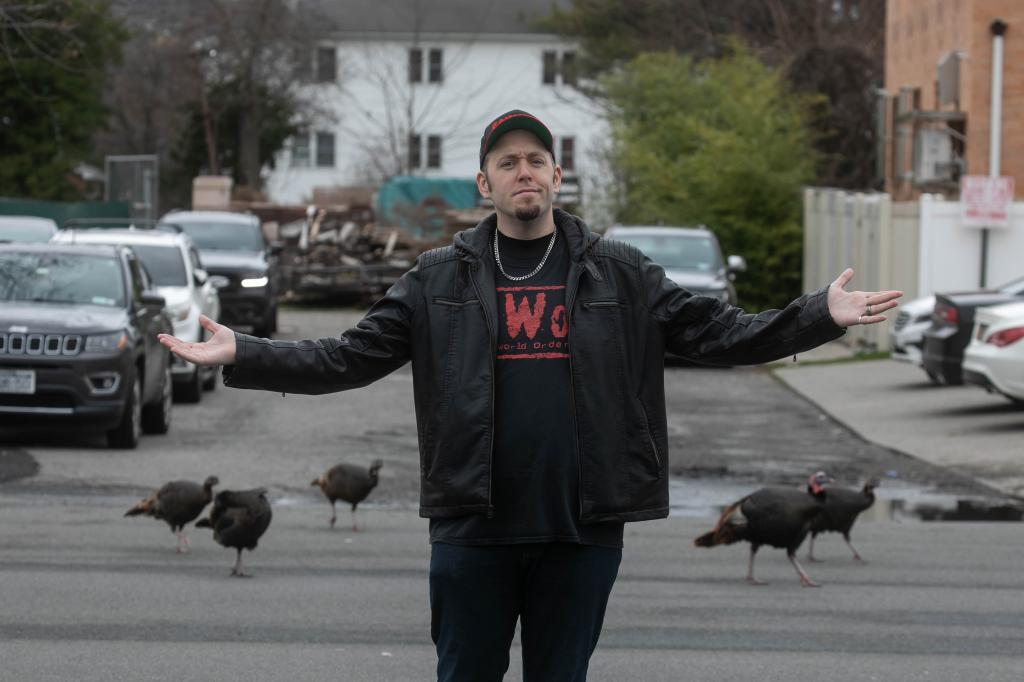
373,104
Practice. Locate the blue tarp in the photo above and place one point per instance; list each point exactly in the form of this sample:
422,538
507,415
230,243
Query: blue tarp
417,204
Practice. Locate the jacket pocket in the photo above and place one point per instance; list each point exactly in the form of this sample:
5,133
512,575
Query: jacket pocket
441,300
650,439
598,305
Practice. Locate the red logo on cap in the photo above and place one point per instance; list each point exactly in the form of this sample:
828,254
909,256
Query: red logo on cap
501,120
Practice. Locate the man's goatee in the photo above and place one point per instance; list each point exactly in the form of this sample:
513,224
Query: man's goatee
528,213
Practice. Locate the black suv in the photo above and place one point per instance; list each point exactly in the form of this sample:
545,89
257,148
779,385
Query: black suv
232,246
78,341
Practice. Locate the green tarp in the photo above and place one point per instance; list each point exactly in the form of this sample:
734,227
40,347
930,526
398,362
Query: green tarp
417,205
61,211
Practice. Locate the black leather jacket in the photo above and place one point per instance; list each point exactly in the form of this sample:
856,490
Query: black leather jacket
623,315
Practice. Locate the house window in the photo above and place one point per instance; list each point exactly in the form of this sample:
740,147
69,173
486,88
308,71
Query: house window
415,65
550,67
569,68
433,151
568,153
415,157
325,150
555,66
300,151
326,65
435,66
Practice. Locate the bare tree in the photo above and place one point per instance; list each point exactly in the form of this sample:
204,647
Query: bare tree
196,63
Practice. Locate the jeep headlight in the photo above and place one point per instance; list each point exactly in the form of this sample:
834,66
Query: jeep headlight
106,343
254,282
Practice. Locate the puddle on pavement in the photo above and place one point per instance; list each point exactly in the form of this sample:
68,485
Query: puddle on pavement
893,501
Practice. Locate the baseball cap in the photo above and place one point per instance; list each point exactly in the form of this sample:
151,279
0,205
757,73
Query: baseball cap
516,119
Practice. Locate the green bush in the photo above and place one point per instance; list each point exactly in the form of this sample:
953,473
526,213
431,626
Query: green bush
723,143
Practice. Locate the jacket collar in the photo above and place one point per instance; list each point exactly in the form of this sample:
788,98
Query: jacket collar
476,241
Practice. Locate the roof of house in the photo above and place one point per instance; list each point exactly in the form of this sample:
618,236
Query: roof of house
435,16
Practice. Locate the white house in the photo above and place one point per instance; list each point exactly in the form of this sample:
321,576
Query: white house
405,87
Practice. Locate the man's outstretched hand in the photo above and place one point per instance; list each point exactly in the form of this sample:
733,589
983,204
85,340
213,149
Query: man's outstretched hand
219,349
858,307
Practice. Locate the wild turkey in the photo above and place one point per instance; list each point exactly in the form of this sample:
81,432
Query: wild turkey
177,503
842,507
350,483
238,518
780,517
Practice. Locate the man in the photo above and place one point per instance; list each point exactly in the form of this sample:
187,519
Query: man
537,354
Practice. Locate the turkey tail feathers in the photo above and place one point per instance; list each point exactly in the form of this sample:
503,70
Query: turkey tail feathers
726,531
142,507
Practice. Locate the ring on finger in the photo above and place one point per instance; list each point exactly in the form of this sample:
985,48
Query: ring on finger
868,313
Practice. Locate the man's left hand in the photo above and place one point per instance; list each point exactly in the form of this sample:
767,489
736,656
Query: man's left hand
858,307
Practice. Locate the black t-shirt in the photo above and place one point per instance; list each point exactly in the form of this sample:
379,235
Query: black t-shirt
535,476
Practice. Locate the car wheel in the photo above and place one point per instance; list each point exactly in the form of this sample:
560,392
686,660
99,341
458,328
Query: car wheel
192,390
156,418
126,434
212,378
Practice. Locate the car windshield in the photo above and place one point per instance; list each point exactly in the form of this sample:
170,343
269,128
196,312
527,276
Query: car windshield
676,251
25,232
165,264
223,236
61,278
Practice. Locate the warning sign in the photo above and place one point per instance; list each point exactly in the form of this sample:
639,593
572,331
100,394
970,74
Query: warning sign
985,201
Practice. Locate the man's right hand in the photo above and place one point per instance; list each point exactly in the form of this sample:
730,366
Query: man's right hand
219,349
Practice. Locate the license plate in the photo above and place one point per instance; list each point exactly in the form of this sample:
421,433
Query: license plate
17,381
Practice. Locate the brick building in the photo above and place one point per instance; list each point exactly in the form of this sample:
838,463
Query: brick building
934,114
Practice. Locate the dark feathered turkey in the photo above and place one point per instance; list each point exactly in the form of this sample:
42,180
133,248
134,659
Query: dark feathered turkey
238,518
842,507
779,517
177,503
350,483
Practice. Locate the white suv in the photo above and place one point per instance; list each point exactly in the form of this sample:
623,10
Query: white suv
173,264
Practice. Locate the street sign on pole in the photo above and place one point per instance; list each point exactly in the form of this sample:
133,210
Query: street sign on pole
985,202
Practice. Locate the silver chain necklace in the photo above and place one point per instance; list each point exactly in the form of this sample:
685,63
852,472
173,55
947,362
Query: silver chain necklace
497,259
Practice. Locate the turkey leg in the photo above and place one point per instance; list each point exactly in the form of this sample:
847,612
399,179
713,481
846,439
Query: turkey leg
750,568
805,579
237,570
810,552
856,554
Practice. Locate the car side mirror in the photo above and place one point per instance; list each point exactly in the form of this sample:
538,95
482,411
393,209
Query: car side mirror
736,264
152,299
219,281
200,276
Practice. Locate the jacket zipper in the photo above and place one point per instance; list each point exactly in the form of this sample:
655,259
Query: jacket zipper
572,389
490,455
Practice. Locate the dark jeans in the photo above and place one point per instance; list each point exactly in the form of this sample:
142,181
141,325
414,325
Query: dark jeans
558,590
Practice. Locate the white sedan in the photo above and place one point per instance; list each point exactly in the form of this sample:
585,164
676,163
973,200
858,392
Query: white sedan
907,335
995,357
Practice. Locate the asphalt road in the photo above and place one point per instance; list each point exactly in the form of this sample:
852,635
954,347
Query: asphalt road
86,594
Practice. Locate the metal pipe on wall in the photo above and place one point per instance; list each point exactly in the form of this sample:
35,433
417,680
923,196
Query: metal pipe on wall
995,139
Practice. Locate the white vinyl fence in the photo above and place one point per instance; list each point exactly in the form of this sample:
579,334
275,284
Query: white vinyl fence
918,247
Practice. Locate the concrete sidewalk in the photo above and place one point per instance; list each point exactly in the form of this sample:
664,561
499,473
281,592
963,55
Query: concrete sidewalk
893,404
